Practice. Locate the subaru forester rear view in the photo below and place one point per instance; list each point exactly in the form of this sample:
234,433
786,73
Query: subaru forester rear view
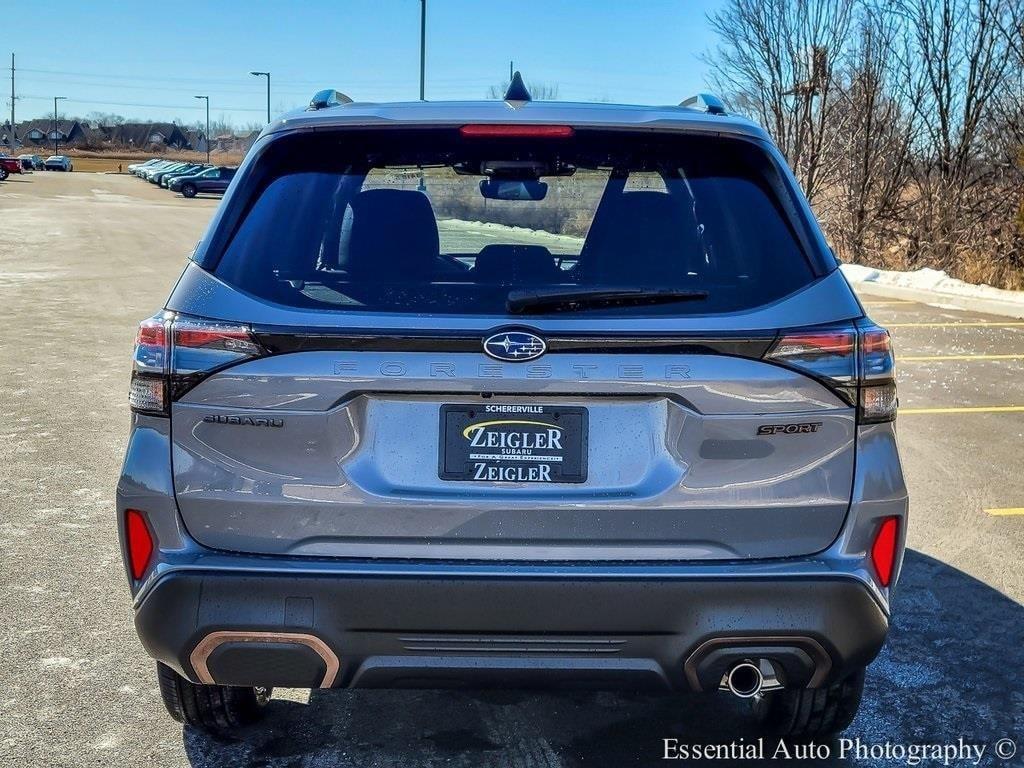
513,394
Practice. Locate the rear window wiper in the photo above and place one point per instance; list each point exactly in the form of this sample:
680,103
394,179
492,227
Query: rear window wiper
568,300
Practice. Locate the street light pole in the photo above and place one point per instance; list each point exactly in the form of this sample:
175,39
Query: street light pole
266,75
423,48
207,99
55,139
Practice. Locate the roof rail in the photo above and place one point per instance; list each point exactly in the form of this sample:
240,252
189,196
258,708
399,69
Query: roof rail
705,102
328,98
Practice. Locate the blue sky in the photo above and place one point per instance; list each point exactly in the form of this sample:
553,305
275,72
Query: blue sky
143,62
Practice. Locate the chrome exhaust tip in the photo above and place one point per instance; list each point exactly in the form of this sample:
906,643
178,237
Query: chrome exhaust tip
745,680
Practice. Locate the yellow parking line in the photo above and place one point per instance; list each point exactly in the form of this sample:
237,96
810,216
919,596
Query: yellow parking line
931,358
1008,511
1010,324
964,409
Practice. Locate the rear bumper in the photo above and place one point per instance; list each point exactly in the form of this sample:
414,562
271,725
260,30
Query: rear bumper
512,630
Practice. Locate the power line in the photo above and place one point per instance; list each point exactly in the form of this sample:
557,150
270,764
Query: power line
475,80
163,89
137,104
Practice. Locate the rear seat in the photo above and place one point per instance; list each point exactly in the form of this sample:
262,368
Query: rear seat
502,264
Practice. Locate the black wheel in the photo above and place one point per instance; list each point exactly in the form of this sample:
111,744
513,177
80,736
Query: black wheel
811,712
4,173
210,707
188,190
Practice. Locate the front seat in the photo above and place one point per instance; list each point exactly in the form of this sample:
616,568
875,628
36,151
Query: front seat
393,238
647,242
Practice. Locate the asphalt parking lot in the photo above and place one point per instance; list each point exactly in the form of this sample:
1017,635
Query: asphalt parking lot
84,257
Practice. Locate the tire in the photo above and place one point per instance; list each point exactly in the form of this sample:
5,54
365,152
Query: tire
4,173
213,708
811,712
188,190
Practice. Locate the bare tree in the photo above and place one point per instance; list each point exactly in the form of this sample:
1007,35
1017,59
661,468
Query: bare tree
875,132
902,119
953,71
776,61
106,118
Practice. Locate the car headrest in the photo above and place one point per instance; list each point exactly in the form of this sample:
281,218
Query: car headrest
650,242
394,236
515,264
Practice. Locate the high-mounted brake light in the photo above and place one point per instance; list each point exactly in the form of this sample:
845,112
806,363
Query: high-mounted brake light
517,131
884,549
138,542
174,353
854,361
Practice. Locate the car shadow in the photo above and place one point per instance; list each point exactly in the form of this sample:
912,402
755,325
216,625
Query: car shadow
949,671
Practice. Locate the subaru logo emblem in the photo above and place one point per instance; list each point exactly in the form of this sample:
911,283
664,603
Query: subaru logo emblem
514,346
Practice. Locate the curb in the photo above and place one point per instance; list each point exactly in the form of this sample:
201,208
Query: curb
966,303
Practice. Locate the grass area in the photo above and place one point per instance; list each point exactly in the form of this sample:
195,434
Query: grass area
101,164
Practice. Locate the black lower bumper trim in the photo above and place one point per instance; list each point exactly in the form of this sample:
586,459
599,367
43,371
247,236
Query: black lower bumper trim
510,631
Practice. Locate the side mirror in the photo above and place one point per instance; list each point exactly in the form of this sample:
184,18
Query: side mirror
499,189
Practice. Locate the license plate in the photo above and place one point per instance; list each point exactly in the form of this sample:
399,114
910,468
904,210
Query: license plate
513,443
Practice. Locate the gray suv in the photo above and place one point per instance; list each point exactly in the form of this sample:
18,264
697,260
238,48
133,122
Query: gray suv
513,394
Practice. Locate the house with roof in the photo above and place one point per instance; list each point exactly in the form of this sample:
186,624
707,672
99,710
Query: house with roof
43,132
196,139
8,138
154,136
234,142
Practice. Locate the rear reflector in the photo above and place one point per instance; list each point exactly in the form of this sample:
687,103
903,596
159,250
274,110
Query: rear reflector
883,551
139,542
518,131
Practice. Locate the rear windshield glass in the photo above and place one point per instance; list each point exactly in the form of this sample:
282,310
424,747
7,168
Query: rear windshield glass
435,221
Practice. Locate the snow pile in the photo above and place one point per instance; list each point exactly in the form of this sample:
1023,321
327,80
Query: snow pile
932,281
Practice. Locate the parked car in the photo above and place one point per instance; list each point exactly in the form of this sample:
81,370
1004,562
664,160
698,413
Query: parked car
212,180
649,444
161,179
134,168
32,162
153,176
144,173
58,163
9,165
147,173
192,171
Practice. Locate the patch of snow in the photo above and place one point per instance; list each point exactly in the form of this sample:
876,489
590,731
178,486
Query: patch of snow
931,280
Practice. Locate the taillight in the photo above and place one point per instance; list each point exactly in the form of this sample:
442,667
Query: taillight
877,375
854,361
884,549
138,542
148,391
173,353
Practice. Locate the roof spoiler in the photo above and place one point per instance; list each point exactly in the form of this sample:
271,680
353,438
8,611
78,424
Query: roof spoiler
705,102
328,98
